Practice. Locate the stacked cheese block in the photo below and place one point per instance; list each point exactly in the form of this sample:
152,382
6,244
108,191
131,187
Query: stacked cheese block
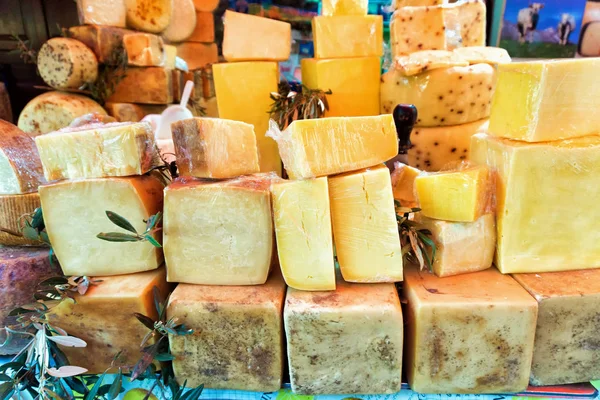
348,48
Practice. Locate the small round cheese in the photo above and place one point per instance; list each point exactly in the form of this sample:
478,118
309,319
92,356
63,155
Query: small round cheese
149,15
66,63
183,21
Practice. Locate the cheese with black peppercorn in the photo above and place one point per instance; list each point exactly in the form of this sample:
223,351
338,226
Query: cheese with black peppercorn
65,63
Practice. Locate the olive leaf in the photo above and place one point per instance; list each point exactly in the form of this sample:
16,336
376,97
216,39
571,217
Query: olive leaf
416,243
122,222
293,101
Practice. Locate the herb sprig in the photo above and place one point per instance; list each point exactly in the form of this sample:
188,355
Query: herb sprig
110,74
27,54
293,102
416,242
134,236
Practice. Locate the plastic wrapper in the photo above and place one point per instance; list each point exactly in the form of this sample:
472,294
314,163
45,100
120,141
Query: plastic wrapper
547,100
183,22
149,16
144,49
13,208
348,36
344,7
104,41
403,184
102,12
197,55
150,85
204,30
536,183
219,233
483,54
65,63
319,147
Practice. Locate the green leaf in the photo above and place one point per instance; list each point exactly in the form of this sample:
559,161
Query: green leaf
118,237
164,357
30,233
120,221
44,237
6,390
116,386
147,321
158,302
193,394
4,378
152,241
153,221
94,390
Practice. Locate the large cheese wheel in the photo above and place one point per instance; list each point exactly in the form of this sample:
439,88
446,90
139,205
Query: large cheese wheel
66,63
149,15
12,208
183,21
55,110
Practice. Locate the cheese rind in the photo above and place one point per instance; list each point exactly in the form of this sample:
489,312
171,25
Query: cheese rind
129,112
12,209
144,49
427,60
344,7
149,15
151,85
204,31
198,55
65,63
403,185
102,40
102,12
183,21
348,36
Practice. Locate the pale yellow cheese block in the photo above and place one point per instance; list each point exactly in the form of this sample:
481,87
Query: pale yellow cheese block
344,7
65,63
403,184
102,12
144,49
13,207
149,15
348,36
238,337
183,21
149,85
129,112
427,60
303,229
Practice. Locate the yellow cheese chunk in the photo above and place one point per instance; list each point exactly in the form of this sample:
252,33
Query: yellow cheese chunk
85,202
205,28
151,85
170,56
417,28
253,106
327,146
102,12
128,112
345,342
219,233
198,55
546,100
237,342
536,182
348,36
214,148
482,54
469,333
253,38
461,196
109,325
403,184
144,49
303,229
367,242
12,208
427,60
566,337
344,7
354,83
96,151
465,23
434,149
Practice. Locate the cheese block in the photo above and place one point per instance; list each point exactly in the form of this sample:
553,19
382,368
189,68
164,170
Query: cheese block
417,28
461,195
403,184
396,4
198,55
149,15
204,30
96,151
102,12
344,7
215,148
465,23
566,338
365,230
469,333
348,36
327,146
344,342
437,148
109,325
170,56
13,207
482,54
183,21
427,60
5,108
144,49
252,107
151,85
536,182
128,112
20,167
65,63
449,96
546,100
85,202
219,233
238,337
104,41
206,5
51,111
354,83
303,230
21,269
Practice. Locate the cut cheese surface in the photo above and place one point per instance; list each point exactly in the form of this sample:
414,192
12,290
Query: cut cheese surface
535,183
253,38
365,229
344,7
483,54
204,31
238,337
403,184
151,85
427,60
356,331
102,12
149,15
183,21
303,229
219,233
469,333
215,148
198,55
12,208
86,201
354,83
103,40
465,23
326,146
348,36
129,112
144,49
110,324
65,63
546,100
97,150
417,28
170,56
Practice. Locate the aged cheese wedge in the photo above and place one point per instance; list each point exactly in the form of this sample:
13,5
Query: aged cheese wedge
144,49
449,96
128,112
355,331
198,55
102,12
51,111
348,36
238,336
344,7
469,333
437,148
12,209
417,28
109,325
149,15
219,233
85,202
482,54
103,40
328,146
403,184
427,60
367,241
151,85
566,337
183,21
546,100
354,83
204,31
303,229
465,23
65,63
170,56
215,148
96,151
230,80
536,182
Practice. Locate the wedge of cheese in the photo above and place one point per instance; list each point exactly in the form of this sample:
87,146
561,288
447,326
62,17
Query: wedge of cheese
403,184
13,207
149,15
151,85
129,112
427,60
356,332
344,7
102,12
85,202
105,41
204,31
417,28
198,55
219,233
110,325
238,337
348,36
465,335
183,21
144,49
327,146
65,63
